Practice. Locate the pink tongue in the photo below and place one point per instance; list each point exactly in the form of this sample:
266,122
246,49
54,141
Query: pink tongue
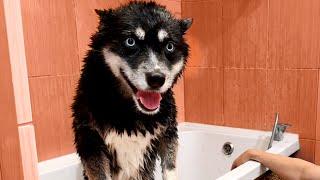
150,100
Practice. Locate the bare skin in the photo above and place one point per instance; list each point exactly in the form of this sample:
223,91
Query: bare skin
284,167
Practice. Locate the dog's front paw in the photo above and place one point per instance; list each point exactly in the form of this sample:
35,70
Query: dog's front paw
170,174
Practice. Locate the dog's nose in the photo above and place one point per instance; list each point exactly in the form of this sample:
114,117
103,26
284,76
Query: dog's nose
155,80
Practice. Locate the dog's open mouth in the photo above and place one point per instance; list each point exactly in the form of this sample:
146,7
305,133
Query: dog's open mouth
149,101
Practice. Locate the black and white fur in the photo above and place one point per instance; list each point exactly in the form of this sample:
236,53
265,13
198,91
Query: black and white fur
115,137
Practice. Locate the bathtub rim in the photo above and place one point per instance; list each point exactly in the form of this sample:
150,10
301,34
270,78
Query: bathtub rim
254,169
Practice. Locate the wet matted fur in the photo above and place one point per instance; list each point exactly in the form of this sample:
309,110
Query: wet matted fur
116,136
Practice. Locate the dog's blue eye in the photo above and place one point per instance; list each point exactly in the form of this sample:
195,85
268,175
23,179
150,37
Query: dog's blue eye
170,47
130,42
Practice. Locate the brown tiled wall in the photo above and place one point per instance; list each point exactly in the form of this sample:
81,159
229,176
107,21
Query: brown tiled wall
51,48
56,34
252,58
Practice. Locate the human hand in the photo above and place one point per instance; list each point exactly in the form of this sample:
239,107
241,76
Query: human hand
244,157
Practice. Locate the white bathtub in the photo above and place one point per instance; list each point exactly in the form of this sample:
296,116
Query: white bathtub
200,154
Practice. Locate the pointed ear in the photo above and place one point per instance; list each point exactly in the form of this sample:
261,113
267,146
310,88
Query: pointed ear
185,24
103,13
105,18
100,13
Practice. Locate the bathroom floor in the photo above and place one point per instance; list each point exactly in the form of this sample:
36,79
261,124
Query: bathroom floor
269,175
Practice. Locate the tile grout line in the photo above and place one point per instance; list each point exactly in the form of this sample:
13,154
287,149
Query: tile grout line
1,176
77,33
317,115
253,68
266,64
51,76
223,69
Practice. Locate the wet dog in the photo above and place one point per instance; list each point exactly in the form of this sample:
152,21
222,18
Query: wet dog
124,110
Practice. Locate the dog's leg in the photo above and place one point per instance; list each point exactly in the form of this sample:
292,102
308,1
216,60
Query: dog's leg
93,153
96,169
168,153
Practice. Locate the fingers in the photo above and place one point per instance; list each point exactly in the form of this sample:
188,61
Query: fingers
234,165
244,157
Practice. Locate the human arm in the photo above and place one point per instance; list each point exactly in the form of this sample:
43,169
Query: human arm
285,167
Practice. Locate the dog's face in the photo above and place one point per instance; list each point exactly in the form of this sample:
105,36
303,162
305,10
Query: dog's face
143,45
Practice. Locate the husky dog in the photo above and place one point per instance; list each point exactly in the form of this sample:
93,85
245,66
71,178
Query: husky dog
124,111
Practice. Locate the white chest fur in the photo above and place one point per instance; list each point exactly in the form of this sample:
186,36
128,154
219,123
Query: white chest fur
130,151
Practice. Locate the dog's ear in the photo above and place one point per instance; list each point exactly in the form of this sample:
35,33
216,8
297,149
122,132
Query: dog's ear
185,24
99,12
103,13
105,18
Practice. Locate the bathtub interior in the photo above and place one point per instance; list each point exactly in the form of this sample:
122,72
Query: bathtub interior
200,154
